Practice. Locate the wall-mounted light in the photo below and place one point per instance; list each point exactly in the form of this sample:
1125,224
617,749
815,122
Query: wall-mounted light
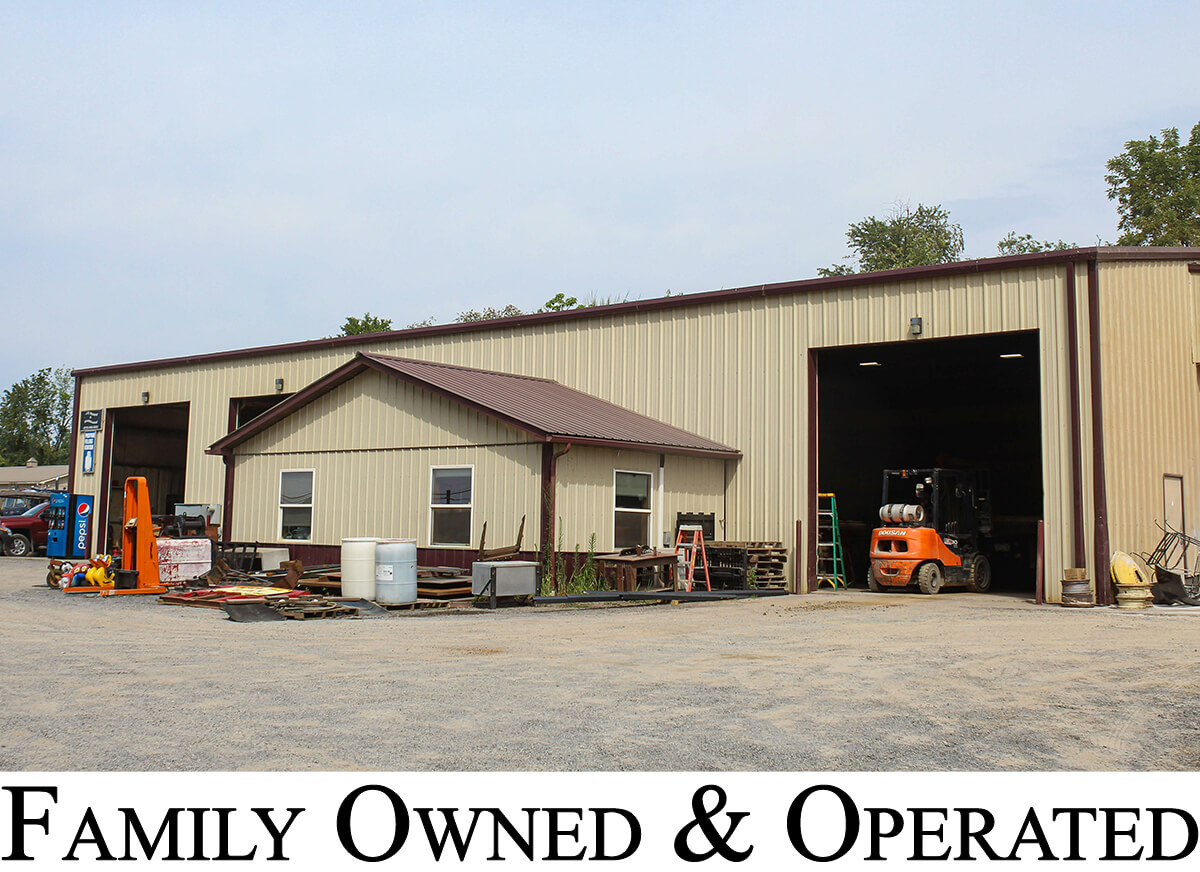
870,363
1011,356
915,325
145,398
279,386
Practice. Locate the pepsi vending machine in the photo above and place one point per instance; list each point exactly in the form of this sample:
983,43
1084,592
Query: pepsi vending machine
70,521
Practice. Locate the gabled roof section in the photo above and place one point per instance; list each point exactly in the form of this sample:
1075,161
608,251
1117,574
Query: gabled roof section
549,411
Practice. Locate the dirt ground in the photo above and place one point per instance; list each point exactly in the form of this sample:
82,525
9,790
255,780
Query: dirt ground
830,681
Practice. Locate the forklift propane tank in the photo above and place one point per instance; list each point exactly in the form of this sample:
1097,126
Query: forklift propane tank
901,513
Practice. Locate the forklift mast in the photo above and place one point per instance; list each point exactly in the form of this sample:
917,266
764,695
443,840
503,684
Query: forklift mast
957,502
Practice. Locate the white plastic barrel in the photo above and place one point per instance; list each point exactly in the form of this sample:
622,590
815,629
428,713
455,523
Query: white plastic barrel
396,571
358,568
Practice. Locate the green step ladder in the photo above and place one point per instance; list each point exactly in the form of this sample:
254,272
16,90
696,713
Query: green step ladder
831,563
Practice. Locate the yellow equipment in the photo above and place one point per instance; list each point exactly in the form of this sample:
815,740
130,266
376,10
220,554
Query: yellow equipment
139,549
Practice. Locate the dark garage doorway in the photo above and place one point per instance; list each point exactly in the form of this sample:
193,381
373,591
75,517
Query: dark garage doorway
966,403
148,441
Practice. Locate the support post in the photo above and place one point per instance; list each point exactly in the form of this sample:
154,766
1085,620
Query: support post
1040,581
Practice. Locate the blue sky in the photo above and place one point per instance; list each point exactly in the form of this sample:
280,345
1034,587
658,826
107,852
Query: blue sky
184,178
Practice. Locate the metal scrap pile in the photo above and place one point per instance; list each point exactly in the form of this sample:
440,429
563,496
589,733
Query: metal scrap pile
262,596
1173,583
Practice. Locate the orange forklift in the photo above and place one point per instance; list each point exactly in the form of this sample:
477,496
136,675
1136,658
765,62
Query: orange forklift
935,524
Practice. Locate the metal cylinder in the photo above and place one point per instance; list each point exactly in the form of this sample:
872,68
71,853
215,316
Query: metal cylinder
1133,596
1077,592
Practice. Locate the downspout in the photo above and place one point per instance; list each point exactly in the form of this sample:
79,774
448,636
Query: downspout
725,501
1078,546
660,511
227,457
1100,543
810,498
549,488
227,508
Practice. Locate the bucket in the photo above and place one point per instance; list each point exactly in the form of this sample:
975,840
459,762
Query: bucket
358,568
396,571
1077,590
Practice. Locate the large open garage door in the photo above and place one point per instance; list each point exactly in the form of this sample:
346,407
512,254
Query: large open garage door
969,403
149,441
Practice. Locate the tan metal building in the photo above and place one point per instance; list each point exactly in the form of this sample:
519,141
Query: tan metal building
1071,375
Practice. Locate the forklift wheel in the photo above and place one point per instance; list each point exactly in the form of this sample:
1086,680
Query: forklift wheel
929,578
980,577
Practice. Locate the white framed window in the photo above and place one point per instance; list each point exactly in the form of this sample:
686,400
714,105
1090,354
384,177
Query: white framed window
632,508
451,502
296,504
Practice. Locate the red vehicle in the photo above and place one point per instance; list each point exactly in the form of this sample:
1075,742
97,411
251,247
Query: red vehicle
21,535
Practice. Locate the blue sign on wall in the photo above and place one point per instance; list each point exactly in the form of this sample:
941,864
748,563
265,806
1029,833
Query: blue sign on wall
89,453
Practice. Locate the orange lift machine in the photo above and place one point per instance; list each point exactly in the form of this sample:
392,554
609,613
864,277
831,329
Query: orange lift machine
139,549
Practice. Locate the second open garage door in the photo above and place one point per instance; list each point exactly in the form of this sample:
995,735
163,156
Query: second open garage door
968,403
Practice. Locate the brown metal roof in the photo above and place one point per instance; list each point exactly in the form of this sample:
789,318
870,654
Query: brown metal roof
550,411
988,264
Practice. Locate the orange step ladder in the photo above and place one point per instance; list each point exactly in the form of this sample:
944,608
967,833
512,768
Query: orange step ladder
687,550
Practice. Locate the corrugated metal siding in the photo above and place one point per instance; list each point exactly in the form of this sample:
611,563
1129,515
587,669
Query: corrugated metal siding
377,411
586,499
1151,396
733,371
386,493
1057,464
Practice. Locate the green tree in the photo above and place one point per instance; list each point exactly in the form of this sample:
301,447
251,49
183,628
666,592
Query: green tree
906,237
1026,244
559,303
35,419
1156,184
487,313
368,323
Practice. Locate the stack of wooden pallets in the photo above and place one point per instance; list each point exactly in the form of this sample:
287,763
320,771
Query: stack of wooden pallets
442,583
748,564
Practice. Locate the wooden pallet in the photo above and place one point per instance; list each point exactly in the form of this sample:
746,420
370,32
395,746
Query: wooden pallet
314,611
766,560
456,587
421,604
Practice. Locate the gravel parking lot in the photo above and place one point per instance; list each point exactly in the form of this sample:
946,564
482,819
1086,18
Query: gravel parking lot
831,681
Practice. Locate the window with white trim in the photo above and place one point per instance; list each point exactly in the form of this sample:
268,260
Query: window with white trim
296,504
631,508
450,504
